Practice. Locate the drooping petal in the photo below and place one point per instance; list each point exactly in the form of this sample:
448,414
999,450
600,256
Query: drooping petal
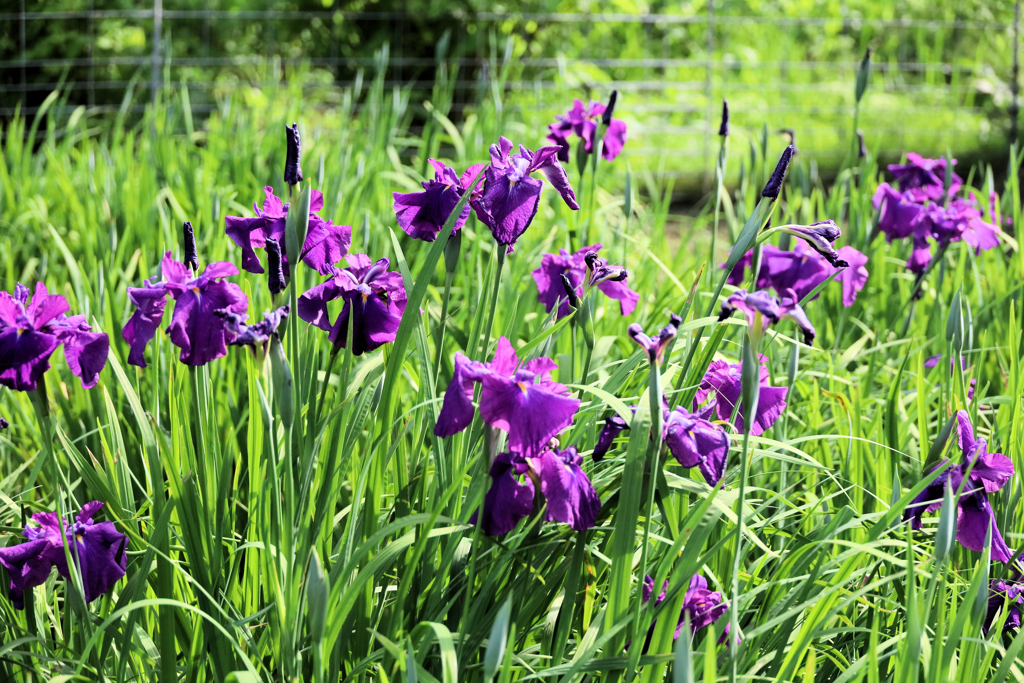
241,230
508,206
422,214
570,496
855,276
325,244
531,414
457,409
508,500
620,291
149,301
312,304
196,329
27,568
614,139
613,426
24,357
972,525
86,354
556,175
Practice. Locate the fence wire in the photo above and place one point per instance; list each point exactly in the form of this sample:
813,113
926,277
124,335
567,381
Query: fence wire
678,95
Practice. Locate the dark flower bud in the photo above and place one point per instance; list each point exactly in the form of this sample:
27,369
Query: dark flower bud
606,118
292,167
570,292
774,184
723,129
620,277
4,424
591,258
191,255
862,150
863,76
275,272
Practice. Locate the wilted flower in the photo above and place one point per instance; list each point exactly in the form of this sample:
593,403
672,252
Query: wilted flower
422,214
819,236
988,472
790,309
655,346
524,402
924,179
253,335
195,326
762,310
725,380
582,120
31,331
582,275
325,243
511,197
98,550
374,297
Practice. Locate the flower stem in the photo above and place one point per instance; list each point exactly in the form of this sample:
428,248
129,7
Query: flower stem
494,300
439,348
653,462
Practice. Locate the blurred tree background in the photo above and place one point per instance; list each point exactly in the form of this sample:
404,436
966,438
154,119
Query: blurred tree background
941,78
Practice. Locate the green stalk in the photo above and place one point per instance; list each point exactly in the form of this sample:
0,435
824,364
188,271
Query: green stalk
439,349
494,301
653,462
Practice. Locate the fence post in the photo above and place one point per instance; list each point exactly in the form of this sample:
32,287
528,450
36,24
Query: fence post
158,16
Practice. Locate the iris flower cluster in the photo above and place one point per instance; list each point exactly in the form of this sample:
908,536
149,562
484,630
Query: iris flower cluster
31,329
702,605
924,211
582,121
97,550
978,474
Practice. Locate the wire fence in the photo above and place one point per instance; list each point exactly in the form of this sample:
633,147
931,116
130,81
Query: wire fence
955,87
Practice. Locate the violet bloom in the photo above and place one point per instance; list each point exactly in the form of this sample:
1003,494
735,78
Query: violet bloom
196,328
98,550
521,401
1008,595
582,120
325,243
988,473
695,442
422,214
374,297
510,497
511,197
790,309
703,606
801,269
960,220
31,330
760,308
898,212
613,426
570,495
655,345
724,379
582,276
925,179
854,277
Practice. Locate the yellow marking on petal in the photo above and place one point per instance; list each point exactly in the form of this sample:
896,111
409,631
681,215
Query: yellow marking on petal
195,289
522,386
364,297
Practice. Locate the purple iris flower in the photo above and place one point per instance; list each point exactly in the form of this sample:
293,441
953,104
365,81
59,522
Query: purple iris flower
30,331
4,424
960,220
613,426
703,606
989,472
932,361
325,243
253,335
422,214
196,328
570,495
925,179
1008,594
373,296
725,380
790,309
760,308
898,212
695,442
522,401
581,120
510,497
655,345
610,280
98,549
511,197
802,269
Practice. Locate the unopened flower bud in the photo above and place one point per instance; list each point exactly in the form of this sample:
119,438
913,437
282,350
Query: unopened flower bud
723,128
292,163
606,118
862,149
191,255
774,185
275,271
570,292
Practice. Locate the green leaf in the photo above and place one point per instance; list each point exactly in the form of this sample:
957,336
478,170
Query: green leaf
497,641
